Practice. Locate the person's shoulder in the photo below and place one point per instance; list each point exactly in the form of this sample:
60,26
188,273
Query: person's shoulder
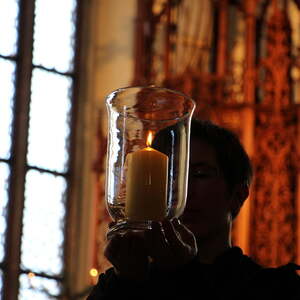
281,282
235,260
260,282
285,274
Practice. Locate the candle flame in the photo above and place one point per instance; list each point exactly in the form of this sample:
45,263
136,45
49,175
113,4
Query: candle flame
149,139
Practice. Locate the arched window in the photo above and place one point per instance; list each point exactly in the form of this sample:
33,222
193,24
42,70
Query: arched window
38,80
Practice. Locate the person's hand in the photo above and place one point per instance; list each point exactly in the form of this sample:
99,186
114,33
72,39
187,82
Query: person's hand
127,253
170,245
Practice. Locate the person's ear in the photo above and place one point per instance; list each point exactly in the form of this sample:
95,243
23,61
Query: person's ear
239,195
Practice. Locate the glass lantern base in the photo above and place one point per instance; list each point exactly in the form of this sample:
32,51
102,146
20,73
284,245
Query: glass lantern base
121,227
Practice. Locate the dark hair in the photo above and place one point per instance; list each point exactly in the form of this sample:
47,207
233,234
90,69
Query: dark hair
232,158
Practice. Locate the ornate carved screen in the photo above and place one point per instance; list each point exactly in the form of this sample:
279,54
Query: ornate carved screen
240,61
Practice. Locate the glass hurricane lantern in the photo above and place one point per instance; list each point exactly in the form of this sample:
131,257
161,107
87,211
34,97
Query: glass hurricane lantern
147,155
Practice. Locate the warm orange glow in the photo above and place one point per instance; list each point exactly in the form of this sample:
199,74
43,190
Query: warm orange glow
94,272
149,139
30,275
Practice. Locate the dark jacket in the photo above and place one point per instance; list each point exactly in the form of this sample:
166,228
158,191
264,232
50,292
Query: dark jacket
233,275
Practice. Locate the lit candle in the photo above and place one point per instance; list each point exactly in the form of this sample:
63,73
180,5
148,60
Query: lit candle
146,187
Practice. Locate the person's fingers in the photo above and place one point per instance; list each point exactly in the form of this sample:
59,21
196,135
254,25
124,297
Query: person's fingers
136,244
125,245
111,224
127,254
158,234
112,249
171,235
166,245
119,246
186,235
155,240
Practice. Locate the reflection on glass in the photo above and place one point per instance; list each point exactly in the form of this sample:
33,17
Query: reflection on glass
8,30
37,288
48,127
43,223
7,76
4,173
53,34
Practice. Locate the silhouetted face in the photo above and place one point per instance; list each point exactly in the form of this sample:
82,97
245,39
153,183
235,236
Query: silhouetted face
208,199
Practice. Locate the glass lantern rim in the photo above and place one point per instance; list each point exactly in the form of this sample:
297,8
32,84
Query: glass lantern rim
112,94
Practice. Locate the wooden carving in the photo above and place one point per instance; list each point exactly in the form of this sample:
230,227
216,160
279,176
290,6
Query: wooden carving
274,215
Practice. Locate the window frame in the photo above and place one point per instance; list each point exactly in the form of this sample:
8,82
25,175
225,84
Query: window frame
17,162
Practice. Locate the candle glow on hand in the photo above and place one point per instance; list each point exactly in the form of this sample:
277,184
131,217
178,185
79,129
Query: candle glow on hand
146,187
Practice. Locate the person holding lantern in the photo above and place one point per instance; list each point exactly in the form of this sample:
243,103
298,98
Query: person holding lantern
193,256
